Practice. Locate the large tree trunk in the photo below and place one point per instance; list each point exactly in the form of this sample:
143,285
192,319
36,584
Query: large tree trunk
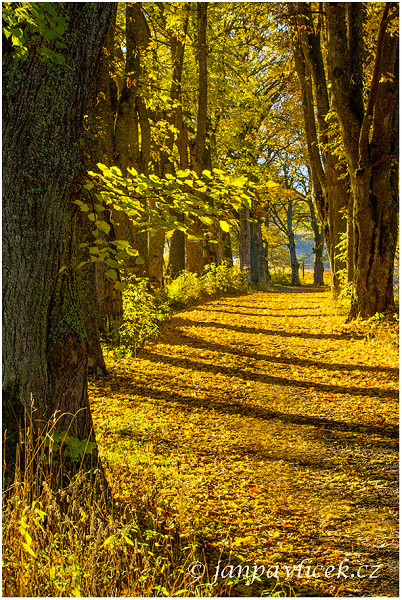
44,342
370,141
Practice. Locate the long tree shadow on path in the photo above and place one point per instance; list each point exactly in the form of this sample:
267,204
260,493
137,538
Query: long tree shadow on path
182,322
250,314
280,381
197,342
266,414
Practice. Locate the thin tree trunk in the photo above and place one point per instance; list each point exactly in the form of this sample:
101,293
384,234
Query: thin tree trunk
294,263
132,130
98,147
227,248
330,188
245,241
194,250
258,261
318,245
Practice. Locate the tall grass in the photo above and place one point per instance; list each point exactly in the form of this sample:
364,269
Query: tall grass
65,540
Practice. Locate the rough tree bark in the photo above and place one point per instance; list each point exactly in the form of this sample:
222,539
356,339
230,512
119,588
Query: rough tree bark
45,349
370,139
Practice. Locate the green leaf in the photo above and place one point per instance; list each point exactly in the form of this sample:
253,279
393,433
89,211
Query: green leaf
118,285
111,274
121,244
139,260
28,549
206,220
103,226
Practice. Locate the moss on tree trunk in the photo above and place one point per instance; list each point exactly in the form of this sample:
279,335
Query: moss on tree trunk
44,343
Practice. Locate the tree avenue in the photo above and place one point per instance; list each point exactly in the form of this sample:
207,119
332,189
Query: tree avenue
148,138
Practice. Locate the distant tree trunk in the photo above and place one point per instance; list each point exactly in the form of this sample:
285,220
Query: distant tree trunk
258,261
177,251
177,254
98,147
45,349
155,260
370,140
132,129
227,248
245,241
318,245
294,263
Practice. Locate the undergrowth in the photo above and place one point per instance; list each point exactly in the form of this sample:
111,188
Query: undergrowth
145,309
189,288
74,540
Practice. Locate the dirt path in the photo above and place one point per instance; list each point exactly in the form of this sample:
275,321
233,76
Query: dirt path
262,425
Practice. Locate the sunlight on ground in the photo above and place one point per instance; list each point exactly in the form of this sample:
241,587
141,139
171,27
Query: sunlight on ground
266,427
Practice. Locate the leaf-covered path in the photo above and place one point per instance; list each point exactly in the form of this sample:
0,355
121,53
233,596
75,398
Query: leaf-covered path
269,429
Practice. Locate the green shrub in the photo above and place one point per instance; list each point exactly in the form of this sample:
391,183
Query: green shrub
145,310
186,289
281,277
143,314
189,288
225,279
